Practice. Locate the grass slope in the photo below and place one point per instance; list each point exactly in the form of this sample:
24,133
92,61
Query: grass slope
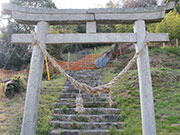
159,58
166,90
11,110
49,94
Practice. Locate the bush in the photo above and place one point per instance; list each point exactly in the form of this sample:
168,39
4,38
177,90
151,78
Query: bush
15,85
113,131
50,74
170,24
173,50
1,89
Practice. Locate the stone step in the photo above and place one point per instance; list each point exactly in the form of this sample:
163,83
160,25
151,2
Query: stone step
84,95
89,111
62,100
50,87
86,104
85,125
74,87
69,86
87,76
92,99
87,118
85,79
98,116
92,75
73,90
79,132
89,82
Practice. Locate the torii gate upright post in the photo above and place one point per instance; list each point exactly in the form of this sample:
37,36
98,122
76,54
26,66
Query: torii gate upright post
145,84
44,17
34,82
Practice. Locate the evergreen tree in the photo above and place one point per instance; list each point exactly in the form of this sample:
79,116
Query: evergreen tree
177,5
16,56
170,24
34,3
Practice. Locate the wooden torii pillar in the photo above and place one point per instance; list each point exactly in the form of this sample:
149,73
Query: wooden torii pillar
45,17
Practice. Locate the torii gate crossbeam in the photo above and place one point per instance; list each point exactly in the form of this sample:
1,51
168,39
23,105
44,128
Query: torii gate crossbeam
45,17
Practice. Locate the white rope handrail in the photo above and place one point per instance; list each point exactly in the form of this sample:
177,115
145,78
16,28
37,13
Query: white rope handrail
92,90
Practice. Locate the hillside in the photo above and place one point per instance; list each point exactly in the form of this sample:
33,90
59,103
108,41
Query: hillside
165,73
166,87
168,57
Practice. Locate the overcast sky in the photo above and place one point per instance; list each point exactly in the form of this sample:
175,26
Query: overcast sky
79,3
72,4
69,4
76,3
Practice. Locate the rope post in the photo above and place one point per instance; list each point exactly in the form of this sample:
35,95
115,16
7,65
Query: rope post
177,44
120,49
94,50
145,83
164,44
69,57
47,68
34,82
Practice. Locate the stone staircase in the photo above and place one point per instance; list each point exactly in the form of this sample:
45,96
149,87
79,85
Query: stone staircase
98,117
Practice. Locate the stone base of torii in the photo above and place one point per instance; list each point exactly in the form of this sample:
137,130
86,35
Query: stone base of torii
45,17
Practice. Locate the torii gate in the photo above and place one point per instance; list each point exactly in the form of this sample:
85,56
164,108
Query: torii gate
45,17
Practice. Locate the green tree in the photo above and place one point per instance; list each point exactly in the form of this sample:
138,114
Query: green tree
15,56
151,27
170,24
33,3
177,5
124,28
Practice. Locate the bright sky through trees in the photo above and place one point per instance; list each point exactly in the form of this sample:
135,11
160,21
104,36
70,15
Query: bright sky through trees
80,3
72,4
69,4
